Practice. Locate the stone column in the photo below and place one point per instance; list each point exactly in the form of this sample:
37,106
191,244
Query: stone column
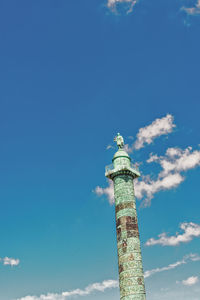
131,277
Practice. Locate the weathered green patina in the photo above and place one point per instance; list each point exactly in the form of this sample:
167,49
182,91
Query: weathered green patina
131,277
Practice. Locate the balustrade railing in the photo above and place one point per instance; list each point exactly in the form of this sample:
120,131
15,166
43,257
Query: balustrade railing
110,168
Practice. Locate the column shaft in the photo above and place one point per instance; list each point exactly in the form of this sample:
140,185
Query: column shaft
131,276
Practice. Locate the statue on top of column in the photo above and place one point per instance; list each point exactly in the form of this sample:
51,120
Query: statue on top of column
119,140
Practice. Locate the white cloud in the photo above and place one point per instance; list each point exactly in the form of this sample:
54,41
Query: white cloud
185,260
173,164
191,230
109,147
146,188
159,127
195,10
167,268
112,4
10,261
99,287
190,281
108,191
108,284
177,160
194,257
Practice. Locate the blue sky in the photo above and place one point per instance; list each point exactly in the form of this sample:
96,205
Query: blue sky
73,74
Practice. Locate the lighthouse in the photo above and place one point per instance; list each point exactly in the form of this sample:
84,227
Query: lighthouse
122,172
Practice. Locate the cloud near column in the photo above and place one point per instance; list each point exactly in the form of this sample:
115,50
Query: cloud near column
191,230
186,259
108,191
95,287
173,164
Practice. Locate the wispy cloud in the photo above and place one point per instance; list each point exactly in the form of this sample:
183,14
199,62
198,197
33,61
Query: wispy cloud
108,191
147,188
148,134
185,260
173,164
108,284
109,147
193,11
190,281
194,257
95,287
167,268
177,160
191,230
10,261
113,4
